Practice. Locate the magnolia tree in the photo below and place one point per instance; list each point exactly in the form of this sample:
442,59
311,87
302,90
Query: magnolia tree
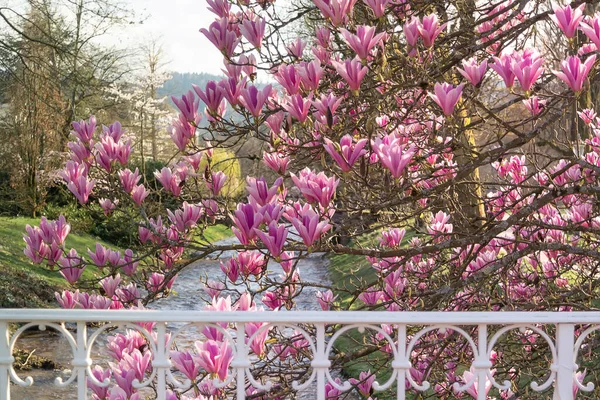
453,145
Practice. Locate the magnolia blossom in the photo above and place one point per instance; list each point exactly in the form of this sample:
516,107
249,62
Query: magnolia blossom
346,153
534,105
446,96
363,41
574,72
473,71
567,18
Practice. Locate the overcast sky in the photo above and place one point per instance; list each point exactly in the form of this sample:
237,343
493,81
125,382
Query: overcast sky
177,24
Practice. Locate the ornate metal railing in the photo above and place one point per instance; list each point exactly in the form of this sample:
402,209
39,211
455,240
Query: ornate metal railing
82,328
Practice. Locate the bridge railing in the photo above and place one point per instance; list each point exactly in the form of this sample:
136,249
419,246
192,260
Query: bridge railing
483,331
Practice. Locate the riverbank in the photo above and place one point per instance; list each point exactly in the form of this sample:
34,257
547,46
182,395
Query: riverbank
25,285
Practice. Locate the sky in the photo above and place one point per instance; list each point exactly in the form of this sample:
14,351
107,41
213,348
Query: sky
176,23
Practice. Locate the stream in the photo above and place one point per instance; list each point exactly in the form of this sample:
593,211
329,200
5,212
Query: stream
189,293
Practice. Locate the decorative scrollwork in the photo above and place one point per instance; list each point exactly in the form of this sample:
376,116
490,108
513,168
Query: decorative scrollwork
534,385
42,327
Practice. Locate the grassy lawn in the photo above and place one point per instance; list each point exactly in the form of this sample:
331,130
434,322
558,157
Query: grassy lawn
23,284
217,232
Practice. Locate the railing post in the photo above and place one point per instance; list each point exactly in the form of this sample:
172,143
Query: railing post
81,362
321,361
241,361
161,361
565,368
482,363
401,364
6,361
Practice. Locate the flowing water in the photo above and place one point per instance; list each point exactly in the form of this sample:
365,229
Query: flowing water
189,294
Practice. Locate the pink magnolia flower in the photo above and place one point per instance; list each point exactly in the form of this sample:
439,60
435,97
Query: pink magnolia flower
370,297
473,71
392,155
214,288
117,392
534,105
186,217
567,18
316,188
102,375
139,194
310,74
170,181
352,71
326,107
219,34
591,29
81,188
185,363
587,116
156,282
73,170
289,78
378,6
129,179
188,105
246,220
363,41
273,300
253,29
110,284
259,191
335,10
216,182
212,96
276,161
574,72
446,96
219,7
439,224
274,238
392,237
232,88
72,266
80,152
472,390
323,36
326,299
253,99
309,226
296,48
67,299
527,68
346,153
298,106
411,31
84,130
364,383
214,357
503,67
107,206
429,29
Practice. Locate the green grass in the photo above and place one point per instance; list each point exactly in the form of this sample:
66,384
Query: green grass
217,232
23,284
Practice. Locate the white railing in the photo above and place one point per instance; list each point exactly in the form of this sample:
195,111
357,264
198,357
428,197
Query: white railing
557,329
